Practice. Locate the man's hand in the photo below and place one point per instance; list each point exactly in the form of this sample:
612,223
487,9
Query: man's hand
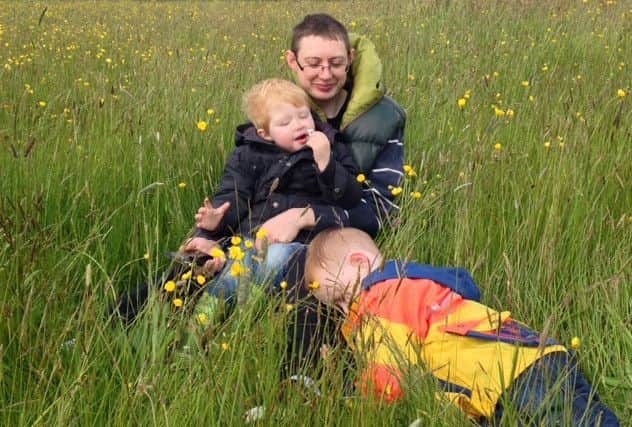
208,217
284,227
199,246
321,148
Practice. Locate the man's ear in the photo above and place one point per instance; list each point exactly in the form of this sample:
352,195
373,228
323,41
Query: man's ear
352,54
263,134
290,59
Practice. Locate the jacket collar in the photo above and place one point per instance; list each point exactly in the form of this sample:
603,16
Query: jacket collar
456,279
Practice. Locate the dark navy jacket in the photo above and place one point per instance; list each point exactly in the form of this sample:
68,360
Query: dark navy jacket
261,181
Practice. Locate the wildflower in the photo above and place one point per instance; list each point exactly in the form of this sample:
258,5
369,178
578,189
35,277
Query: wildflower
202,319
182,185
261,234
576,343
499,112
467,94
237,269
361,178
415,195
411,172
289,307
525,83
210,112
531,98
41,104
283,285
621,93
200,279
225,346
407,168
314,285
249,244
396,191
547,145
217,121
545,68
235,252
187,275
510,113
498,147
217,253
235,240
178,302
170,286
202,125
411,77
146,256
461,102
561,145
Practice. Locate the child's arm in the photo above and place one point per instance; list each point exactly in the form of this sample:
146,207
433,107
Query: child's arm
236,189
338,171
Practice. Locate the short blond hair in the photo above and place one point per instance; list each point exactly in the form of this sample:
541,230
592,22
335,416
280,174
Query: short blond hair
331,247
260,98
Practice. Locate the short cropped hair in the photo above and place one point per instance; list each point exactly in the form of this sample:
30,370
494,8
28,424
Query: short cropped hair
330,247
321,25
260,98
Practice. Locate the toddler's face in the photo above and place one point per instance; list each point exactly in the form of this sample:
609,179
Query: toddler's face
336,286
289,126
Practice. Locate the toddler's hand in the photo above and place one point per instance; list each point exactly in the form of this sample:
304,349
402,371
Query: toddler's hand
321,148
208,217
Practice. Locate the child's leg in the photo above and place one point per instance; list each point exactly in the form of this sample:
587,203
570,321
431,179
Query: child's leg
554,392
277,261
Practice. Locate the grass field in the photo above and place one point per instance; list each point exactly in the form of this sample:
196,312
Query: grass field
525,182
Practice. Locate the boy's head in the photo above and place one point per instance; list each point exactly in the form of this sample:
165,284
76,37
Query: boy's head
337,261
320,56
280,111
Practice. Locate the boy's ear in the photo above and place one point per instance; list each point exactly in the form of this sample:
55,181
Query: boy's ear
361,261
263,134
352,54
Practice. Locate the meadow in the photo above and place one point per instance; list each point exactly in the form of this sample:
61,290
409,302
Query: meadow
116,119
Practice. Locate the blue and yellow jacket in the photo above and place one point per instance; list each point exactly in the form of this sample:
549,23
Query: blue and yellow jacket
431,317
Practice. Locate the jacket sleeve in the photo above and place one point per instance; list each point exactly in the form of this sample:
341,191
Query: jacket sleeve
381,375
378,205
237,187
338,181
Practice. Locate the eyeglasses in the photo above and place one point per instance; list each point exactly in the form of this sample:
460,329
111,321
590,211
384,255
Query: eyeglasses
335,66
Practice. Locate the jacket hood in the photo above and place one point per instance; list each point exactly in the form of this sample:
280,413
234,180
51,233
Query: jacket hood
247,134
365,76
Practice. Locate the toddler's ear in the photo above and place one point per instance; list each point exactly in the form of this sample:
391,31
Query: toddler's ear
263,134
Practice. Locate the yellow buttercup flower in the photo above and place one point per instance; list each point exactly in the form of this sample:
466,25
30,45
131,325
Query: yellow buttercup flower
407,168
225,346
170,286
510,113
146,256
547,145
283,285
415,195
361,178
200,279
289,307
235,240
178,302
235,252
498,146
182,185
202,319
210,112
261,234
467,94
249,244
217,253
621,93
576,343
411,172
396,191
314,285
41,104
202,125
187,275
237,269
499,112
525,83
461,102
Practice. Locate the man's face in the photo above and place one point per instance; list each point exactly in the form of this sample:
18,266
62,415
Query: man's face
320,66
289,126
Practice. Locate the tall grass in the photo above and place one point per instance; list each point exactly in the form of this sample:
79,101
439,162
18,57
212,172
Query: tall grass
99,103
